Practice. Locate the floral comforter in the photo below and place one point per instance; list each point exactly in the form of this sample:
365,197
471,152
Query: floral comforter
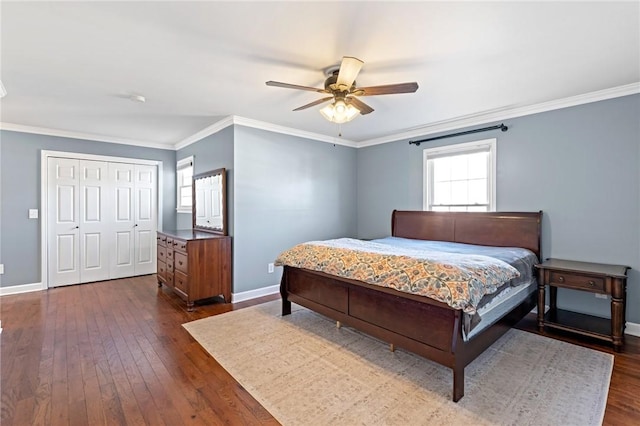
459,280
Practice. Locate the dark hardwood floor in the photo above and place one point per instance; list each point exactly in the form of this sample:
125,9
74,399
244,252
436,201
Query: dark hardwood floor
115,352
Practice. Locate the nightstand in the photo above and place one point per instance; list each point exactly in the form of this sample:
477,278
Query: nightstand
592,277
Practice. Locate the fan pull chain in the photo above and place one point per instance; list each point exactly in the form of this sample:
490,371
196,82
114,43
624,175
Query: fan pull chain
339,130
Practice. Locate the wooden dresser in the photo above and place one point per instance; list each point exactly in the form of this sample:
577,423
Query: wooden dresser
195,264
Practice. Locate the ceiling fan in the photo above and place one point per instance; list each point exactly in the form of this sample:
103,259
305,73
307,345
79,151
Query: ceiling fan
341,85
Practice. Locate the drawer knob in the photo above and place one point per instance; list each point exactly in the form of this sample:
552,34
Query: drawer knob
592,283
561,279
180,262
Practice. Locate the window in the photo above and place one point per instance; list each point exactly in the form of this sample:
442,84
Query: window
184,174
460,177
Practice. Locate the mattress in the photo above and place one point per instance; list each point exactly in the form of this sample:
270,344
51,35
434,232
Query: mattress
460,280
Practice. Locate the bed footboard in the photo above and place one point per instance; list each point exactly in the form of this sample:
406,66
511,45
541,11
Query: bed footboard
386,314
399,318
396,318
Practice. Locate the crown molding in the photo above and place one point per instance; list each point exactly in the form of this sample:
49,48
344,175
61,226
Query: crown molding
77,135
504,114
421,131
263,125
207,131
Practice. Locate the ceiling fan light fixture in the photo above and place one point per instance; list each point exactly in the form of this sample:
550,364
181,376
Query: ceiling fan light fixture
339,112
341,86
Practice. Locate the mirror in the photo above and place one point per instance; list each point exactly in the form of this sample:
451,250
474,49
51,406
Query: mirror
210,201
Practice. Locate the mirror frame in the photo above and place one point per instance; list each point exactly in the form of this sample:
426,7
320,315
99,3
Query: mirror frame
223,183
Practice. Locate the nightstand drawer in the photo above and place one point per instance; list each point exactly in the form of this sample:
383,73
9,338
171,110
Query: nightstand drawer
581,282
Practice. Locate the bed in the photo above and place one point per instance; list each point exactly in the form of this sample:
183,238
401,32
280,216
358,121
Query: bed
422,325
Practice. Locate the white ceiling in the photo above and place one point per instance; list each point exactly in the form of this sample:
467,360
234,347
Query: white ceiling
70,66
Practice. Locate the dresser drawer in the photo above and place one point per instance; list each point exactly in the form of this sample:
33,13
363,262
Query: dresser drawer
162,253
181,263
577,281
181,281
170,266
169,278
169,254
180,245
162,270
162,240
169,242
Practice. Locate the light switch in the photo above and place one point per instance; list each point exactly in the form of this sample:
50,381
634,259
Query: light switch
33,213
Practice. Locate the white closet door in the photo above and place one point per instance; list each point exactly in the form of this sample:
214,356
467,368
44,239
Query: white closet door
121,177
101,220
63,219
94,233
145,219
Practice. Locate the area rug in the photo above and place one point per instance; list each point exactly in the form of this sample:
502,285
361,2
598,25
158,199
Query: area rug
306,371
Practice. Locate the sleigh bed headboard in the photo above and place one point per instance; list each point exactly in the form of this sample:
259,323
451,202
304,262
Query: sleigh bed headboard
501,229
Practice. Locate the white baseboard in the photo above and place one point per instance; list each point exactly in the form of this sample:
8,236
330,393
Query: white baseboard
633,329
17,289
254,294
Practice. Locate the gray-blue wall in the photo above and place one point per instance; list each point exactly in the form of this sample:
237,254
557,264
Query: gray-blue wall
287,190
20,189
579,165
213,152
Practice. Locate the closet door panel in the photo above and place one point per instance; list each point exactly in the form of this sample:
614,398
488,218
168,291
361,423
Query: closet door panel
67,253
123,246
94,234
92,252
144,246
145,219
63,183
121,177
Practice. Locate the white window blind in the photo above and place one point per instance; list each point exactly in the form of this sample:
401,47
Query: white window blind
460,177
184,176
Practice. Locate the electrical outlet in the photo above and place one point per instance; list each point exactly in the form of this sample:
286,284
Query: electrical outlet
270,268
33,213
601,296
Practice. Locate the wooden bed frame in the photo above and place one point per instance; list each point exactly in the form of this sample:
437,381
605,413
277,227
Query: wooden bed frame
416,323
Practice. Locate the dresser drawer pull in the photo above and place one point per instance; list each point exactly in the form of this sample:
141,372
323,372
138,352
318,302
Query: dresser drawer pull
180,262
592,283
561,279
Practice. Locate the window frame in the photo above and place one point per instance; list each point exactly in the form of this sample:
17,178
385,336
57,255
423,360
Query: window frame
490,145
181,165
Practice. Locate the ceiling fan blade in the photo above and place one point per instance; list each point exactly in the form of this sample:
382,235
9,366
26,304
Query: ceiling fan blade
388,89
349,69
362,107
314,103
295,86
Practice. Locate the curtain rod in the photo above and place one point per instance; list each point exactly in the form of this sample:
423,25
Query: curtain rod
484,129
